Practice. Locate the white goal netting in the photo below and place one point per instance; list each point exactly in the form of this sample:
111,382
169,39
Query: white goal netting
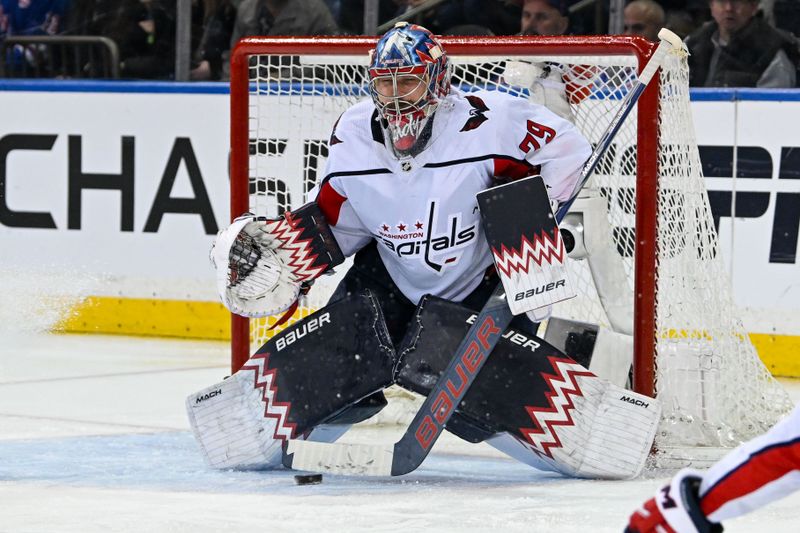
714,388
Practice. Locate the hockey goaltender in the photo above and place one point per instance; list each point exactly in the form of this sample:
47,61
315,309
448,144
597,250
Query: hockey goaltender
405,166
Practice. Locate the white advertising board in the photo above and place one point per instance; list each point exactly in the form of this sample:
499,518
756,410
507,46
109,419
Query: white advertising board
127,189
757,204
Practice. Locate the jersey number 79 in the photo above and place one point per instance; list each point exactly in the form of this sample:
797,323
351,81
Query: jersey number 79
536,132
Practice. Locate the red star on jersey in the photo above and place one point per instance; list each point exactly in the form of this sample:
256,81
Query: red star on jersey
385,227
401,227
418,225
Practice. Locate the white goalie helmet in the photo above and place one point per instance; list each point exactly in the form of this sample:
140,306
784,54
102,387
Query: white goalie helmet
253,279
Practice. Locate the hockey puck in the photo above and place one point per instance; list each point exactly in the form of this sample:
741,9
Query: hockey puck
308,479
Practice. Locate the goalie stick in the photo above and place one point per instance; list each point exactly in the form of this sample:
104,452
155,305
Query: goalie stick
669,41
413,447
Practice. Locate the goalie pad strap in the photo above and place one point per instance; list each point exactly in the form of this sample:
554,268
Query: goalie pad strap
285,316
306,375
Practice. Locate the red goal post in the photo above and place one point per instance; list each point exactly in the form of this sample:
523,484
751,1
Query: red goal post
688,344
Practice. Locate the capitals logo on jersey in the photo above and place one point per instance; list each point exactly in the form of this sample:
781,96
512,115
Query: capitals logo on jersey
436,246
476,114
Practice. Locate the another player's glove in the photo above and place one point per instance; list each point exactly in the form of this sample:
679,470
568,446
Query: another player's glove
264,265
551,85
674,509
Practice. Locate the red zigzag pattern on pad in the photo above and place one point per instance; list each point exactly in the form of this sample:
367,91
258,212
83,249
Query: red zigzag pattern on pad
264,379
544,249
563,389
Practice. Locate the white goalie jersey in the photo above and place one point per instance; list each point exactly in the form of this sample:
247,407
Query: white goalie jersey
422,210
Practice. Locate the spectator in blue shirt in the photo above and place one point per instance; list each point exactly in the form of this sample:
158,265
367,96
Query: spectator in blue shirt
31,17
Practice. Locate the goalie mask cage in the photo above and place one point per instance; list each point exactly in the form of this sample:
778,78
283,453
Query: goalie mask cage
690,349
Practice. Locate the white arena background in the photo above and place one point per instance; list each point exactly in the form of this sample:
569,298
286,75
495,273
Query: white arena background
130,256
110,195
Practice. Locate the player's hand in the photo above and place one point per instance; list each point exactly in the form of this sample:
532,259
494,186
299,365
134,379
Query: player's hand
674,509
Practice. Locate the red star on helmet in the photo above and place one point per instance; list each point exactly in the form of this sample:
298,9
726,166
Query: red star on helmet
418,225
401,227
385,227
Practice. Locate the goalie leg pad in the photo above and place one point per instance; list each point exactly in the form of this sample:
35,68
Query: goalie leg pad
309,374
566,417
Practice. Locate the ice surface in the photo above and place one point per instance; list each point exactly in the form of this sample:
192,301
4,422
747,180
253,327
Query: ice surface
93,437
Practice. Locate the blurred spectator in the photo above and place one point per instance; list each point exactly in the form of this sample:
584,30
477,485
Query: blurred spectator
699,11
545,17
644,18
738,48
351,14
787,15
680,22
31,17
437,19
501,17
335,7
218,17
86,17
469,30
684,16
145,33
283,17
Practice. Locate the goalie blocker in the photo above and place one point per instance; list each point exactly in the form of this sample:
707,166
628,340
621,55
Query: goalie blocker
526,246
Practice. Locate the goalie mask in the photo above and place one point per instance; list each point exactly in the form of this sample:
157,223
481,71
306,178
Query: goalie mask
409,75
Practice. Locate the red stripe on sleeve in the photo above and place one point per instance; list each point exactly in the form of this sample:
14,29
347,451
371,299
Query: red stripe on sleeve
513,170
762,468
330,202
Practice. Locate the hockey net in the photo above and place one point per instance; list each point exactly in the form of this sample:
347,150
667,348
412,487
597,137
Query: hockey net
690,348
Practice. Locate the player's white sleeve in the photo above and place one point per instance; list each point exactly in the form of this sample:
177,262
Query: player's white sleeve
759,471
350,234
554,144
